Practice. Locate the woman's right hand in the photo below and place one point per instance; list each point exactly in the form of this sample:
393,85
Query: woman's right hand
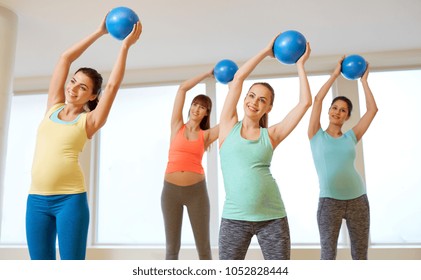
269,47
102,29
365,75
302,60
134,35
338,68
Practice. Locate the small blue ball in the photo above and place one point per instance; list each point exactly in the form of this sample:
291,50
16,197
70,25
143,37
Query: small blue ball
289,46
353,67
119,22
225,70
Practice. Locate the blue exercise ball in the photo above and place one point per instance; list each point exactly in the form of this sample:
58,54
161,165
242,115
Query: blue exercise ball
119,22
225,70
289,46
353,67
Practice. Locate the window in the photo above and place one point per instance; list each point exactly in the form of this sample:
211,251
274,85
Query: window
133,156
392,157
130,156
26,114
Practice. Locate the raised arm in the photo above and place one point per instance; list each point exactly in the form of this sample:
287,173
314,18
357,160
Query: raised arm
361,127
229,115
177,113
211,135
97,118
281,130
59,76
314,124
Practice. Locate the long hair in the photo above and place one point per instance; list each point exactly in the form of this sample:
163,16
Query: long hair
264,120
206,102
97,84
346,100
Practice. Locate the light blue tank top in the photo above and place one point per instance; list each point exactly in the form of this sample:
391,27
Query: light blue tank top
54,117
334,159
251,192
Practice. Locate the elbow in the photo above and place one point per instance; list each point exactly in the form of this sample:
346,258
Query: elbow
309,103
239,77
306,103
373,108
112,87
318,99
183,87
65,58
65,55
372,111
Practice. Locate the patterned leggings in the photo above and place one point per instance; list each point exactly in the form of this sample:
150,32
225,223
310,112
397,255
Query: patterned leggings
196,200
356,212
273,237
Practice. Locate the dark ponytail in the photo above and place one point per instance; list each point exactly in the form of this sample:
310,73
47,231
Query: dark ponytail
92,103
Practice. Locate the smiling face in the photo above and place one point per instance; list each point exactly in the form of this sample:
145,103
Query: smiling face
200,110
339,112
258,101
79,90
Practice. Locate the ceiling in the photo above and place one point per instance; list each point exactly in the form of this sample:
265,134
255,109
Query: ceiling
194,32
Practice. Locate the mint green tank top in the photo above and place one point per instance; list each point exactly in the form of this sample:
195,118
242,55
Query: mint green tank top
334,159
251,192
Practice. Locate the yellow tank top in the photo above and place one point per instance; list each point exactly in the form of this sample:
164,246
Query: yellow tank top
56,168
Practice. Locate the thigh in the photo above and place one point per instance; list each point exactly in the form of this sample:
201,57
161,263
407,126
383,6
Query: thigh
72,226
199,210
358,224
234,239
40,229
330,213
274,239
171,202
172,210
199,213
329,218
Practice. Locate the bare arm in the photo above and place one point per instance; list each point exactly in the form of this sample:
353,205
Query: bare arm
59,76
314,124
97,118
229,115
177,113
281,130
361,127
211,135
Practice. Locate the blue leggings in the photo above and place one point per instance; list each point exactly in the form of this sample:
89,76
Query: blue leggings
49,216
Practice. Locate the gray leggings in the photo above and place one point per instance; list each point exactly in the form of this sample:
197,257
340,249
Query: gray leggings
273,237
195,198
356,212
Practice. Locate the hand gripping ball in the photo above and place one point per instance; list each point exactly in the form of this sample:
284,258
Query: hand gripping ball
119,22
225,70
353,67
289,46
